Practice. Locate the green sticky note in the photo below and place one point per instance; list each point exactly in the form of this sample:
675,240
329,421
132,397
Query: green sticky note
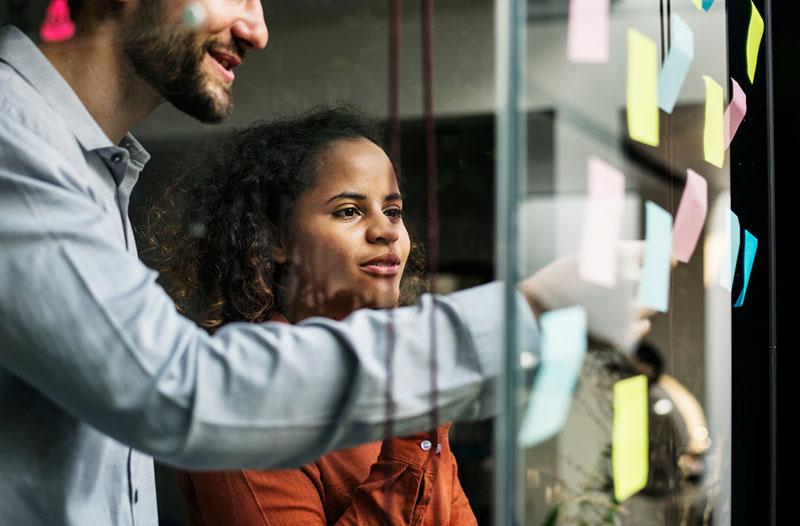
714,129
629,440
642,92
754,34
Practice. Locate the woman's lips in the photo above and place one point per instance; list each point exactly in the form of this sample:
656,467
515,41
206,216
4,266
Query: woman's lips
382,269
385,265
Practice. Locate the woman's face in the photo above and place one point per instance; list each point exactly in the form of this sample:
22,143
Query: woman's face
347,246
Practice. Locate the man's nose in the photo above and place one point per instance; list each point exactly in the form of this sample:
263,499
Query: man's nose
251,29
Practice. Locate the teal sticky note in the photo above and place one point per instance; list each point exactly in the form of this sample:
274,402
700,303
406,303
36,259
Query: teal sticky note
564,342
676,65
750,248
731,256
654,287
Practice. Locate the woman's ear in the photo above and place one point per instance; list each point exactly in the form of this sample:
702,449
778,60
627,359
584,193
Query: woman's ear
279,251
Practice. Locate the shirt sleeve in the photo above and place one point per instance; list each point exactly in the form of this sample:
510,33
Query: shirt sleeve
84,322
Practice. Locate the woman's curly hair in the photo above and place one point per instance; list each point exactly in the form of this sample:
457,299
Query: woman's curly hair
212,236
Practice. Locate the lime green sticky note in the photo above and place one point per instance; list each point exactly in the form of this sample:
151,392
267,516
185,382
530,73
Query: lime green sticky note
714,130
629,439
642,88
754,34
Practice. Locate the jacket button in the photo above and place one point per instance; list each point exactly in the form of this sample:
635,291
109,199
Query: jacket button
426,445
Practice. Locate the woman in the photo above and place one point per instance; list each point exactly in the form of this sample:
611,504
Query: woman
295,219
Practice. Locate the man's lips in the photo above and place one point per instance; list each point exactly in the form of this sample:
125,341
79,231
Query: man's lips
385,265
225,62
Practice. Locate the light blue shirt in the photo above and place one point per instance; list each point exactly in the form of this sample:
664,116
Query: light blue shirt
99,373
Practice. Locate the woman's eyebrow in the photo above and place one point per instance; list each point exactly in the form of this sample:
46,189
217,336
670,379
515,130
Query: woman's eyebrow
361,197
347,195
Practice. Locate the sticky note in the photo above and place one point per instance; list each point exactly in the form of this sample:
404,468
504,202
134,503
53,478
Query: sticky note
629,437
676,65
734,113
564,342
705,5
57,25
750,248
730,254
194,15
754,33
588,31
714,130
602,224
654,286
690,217
642,94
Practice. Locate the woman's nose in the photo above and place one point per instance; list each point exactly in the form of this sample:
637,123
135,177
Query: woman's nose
383,230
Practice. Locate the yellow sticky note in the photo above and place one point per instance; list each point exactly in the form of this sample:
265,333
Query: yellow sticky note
642,88
754,34
714,131
629,437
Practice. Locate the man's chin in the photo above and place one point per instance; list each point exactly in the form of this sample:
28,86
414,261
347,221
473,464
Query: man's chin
207,109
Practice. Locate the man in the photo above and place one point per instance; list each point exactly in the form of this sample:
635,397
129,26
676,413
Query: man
96,366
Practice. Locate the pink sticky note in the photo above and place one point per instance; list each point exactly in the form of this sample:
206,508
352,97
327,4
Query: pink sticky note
57,25
602,224
691,217
734,113
588,31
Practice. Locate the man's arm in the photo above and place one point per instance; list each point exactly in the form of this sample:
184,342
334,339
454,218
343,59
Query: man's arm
84,322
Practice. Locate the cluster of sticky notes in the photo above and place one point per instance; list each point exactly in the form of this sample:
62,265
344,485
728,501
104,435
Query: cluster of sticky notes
629,437
602,224
57,25
563,344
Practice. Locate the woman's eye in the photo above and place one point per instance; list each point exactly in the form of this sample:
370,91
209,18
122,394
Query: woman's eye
395,213
350,211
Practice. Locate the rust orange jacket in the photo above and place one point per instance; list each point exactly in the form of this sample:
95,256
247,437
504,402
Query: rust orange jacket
399,481
391,482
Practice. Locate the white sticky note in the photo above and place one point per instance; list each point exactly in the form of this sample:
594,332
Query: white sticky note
602,223
588,31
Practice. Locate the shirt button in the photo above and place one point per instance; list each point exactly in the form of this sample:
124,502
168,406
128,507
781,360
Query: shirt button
116,158
425,445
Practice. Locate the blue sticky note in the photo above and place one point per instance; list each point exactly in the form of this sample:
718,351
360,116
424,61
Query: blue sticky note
564,344
750,248
654,287
728,268
705,5
676,65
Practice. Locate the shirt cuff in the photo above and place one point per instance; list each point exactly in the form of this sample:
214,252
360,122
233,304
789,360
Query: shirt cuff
417,449
483,310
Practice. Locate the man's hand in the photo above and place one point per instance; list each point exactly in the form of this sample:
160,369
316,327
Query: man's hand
613,314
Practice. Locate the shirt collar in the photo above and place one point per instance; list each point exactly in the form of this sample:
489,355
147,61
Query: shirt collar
19,52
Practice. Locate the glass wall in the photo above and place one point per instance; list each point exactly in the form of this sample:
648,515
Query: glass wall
528,133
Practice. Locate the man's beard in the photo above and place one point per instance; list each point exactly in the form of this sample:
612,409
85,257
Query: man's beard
170,61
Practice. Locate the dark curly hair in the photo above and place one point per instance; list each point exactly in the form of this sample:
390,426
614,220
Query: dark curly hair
212,238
